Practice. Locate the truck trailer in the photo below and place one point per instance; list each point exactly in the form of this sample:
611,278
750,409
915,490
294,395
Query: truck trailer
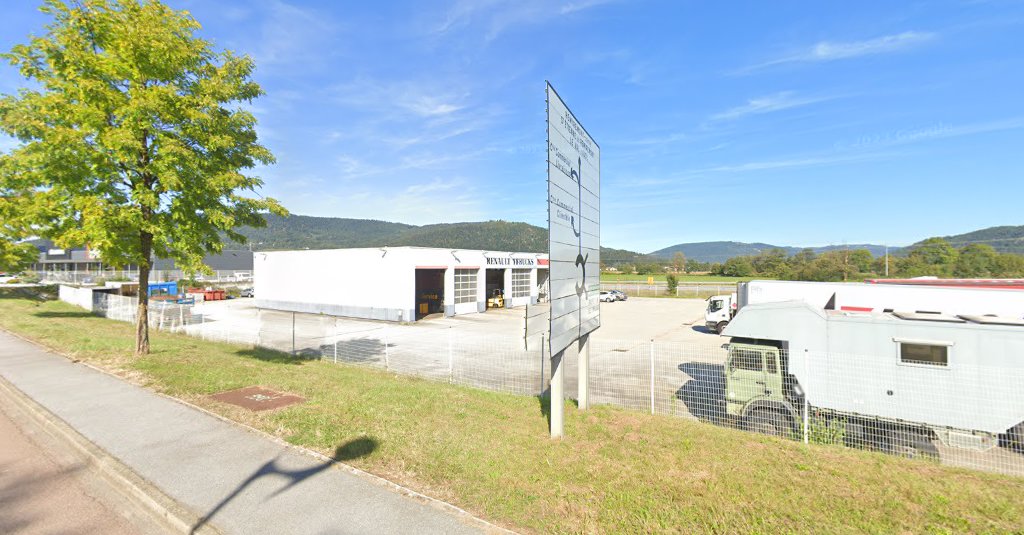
861,297
896,380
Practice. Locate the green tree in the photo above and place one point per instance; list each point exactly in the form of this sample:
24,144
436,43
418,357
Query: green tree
937,254
976,260
134,137
672,283
15,256
679,262
738,266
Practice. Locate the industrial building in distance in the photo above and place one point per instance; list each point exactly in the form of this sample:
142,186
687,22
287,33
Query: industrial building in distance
397,283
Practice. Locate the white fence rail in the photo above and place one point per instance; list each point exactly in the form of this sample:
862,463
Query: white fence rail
679,379
660,288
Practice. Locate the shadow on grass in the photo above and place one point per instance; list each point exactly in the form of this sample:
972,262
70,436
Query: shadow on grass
352,449
82,314
544,400
272,356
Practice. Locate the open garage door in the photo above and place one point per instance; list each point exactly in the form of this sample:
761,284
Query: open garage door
429,292
496,291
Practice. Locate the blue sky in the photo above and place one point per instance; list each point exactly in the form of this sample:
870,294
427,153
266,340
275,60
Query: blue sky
793,123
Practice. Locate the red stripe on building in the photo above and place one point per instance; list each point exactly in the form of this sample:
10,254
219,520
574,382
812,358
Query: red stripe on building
431,267
856,309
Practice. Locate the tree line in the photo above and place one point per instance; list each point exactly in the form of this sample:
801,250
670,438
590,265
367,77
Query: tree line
932,257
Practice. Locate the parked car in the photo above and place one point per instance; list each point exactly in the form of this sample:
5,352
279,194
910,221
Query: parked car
619,295
607,297
247,292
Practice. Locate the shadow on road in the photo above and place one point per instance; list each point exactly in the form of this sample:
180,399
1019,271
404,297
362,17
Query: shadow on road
704,393
355,350
348,451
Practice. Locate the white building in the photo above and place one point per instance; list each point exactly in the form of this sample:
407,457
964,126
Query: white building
396,283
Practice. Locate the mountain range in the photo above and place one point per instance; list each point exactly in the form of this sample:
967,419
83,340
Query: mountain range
307,232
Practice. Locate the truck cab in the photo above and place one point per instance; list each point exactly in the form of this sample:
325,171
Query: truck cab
757,391
720,310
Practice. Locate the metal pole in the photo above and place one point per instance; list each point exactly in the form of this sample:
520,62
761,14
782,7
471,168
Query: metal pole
807,412
386,350
557,396
652,376
293,334
541,364
583,374
451,357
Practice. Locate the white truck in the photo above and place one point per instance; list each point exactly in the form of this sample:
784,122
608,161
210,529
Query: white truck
861,297
898,381
720,310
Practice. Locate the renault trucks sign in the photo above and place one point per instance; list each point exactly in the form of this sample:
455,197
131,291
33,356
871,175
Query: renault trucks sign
574,226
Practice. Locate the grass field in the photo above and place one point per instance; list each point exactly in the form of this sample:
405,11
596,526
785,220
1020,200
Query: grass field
616,472
615,277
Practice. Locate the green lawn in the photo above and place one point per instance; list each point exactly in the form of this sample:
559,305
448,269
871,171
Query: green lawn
616,472
615,277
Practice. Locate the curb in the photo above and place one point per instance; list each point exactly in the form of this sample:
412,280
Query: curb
184,519
163,508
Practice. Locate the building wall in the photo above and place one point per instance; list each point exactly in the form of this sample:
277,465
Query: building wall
375,283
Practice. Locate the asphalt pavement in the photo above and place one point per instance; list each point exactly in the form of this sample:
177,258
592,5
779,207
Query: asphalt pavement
230,478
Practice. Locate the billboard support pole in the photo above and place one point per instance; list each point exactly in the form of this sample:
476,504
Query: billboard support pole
583,375
557,399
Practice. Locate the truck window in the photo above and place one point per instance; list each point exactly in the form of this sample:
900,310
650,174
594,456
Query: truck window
745,359
715,305
769,359
934,355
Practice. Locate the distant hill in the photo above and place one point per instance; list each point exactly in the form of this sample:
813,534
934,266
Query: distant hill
306,232
1006,239
720,251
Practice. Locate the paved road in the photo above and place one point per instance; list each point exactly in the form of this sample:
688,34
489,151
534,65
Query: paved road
239,481
46,488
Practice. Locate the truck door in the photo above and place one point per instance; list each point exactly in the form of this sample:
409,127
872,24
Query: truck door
745,378
773,385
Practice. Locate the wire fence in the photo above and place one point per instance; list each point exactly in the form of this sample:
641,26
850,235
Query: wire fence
660,289
156,275
966,416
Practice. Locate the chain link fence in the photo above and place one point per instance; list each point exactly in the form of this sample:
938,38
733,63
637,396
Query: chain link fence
156,275
973,418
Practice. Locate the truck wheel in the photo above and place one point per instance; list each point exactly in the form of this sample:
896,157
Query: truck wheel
1015,438
913,445
720,327
769,422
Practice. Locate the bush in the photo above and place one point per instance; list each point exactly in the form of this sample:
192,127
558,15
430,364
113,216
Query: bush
672,282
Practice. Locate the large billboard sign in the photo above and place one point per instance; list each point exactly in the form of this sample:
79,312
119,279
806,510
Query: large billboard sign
574,226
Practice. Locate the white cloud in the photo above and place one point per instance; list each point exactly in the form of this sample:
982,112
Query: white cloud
767,104
825,51
498,16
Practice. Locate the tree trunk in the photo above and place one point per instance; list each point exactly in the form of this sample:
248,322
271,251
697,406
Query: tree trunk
142,314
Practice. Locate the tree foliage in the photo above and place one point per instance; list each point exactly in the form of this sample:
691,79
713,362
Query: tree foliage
932,257
134,137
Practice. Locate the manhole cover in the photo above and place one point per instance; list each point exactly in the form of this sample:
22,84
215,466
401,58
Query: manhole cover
257,399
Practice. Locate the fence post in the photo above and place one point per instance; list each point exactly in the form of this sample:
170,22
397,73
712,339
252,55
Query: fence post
652,376
807,412
293,334
335,340
451,357
542,364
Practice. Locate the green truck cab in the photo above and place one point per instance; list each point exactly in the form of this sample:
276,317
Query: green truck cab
759,394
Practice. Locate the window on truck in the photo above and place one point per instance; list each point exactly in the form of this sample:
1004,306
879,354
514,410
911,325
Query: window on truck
715,305
769,359
932,355
746,359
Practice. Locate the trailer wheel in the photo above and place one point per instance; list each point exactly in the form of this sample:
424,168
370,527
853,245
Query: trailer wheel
769,422
720,327
1015,438
913,445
